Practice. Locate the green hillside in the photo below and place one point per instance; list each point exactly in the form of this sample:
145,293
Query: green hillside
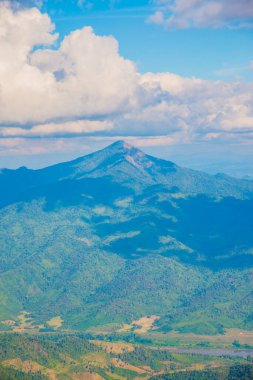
74,357
116,236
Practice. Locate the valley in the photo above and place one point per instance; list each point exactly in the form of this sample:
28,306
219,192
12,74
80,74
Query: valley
122,253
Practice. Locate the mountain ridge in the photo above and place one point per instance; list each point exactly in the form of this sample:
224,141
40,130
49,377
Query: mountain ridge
119,235
130,167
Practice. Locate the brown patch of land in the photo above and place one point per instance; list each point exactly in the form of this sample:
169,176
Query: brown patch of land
29,366
144,324
125,328
98,359
140,326
120,364
24,322
55,322
8,322
115,348
115,376
86,376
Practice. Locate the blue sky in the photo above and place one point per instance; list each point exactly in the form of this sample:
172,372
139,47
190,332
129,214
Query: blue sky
174,77
210,53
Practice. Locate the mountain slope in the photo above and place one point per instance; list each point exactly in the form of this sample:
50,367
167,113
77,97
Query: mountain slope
118,235
128,166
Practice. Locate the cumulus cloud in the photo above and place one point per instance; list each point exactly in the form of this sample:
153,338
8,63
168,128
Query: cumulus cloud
86,76
191,109
203,13
85,87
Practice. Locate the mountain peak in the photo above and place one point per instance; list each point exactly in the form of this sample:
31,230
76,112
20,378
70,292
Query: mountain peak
124,150
121,145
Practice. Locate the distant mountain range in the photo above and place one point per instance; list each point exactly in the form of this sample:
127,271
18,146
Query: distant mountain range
117,235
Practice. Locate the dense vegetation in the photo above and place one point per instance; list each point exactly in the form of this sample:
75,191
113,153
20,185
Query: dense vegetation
237,372
71,357
115,236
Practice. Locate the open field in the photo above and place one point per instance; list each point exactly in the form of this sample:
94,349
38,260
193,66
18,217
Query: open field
140,326
227,339
72,357
114,347
55,322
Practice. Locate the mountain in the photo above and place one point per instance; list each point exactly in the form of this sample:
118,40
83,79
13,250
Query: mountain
117,235
126,165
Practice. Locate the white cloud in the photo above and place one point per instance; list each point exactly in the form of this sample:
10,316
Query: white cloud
190,108
86,76
157,18
203,13
172,83
85,87
78,127
22,146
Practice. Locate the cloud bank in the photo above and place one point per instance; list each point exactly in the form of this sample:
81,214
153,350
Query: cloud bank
84,87
203,13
